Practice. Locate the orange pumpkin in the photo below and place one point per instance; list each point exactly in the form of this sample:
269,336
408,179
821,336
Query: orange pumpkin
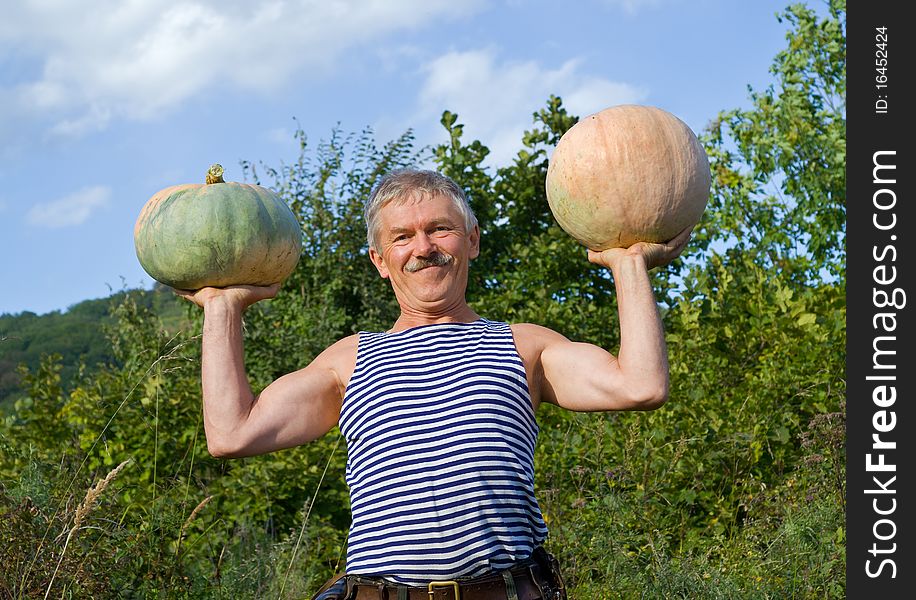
626,174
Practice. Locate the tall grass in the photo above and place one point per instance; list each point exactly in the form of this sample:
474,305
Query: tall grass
82,511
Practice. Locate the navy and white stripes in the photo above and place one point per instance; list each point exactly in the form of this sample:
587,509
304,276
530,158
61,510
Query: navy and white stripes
440,434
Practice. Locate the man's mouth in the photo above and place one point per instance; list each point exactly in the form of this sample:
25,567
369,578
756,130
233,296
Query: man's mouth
433,260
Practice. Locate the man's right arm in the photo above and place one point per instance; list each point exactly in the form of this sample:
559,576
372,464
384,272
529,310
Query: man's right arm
293,410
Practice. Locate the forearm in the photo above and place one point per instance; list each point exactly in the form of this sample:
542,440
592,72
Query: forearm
227,395
643,355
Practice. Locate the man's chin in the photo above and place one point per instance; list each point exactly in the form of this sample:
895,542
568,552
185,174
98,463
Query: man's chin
430,285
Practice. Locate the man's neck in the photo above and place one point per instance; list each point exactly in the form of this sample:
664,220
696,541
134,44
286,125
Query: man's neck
414,318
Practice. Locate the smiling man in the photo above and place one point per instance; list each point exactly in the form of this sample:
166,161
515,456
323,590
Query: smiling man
439,411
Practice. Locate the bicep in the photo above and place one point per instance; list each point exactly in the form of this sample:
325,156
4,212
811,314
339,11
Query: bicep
583,377
303,405
299,407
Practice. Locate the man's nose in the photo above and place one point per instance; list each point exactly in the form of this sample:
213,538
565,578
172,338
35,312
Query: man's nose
424,244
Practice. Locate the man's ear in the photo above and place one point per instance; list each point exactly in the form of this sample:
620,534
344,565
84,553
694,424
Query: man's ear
379,263
474,239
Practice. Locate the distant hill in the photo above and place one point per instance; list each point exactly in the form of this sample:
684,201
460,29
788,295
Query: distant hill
75,334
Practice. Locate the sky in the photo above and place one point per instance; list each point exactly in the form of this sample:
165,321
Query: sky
102,104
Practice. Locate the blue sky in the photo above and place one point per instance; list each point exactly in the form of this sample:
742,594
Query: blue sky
104,103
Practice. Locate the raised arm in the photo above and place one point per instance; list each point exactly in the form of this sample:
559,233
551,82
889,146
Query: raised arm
585,377
295,409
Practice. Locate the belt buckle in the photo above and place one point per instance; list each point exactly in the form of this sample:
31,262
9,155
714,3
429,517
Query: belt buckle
444,584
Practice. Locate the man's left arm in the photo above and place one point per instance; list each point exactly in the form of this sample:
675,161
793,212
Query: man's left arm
584,377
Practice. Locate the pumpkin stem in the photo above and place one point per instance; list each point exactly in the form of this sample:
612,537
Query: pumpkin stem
215,174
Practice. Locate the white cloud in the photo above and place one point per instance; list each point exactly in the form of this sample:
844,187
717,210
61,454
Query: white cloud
139,59
70,210
495,100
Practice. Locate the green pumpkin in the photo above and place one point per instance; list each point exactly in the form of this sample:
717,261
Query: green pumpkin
217,234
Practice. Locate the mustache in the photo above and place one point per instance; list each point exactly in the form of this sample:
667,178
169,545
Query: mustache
436,259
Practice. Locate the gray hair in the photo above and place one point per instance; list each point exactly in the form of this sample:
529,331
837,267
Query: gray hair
403,185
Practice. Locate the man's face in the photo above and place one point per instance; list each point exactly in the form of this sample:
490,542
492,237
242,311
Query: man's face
425,252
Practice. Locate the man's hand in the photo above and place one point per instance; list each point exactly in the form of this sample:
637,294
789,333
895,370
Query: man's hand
240,296
655,255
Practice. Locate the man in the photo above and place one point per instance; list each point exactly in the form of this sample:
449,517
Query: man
438,412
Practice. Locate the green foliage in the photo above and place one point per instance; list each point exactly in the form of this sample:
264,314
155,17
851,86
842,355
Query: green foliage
76,335
734,489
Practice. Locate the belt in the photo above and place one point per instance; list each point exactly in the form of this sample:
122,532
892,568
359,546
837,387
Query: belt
515,584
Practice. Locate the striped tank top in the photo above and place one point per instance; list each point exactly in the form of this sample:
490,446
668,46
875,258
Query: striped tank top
440,438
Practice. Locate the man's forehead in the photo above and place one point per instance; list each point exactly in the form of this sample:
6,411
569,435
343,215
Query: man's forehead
431,206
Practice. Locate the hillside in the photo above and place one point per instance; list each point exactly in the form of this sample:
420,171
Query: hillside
76,335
